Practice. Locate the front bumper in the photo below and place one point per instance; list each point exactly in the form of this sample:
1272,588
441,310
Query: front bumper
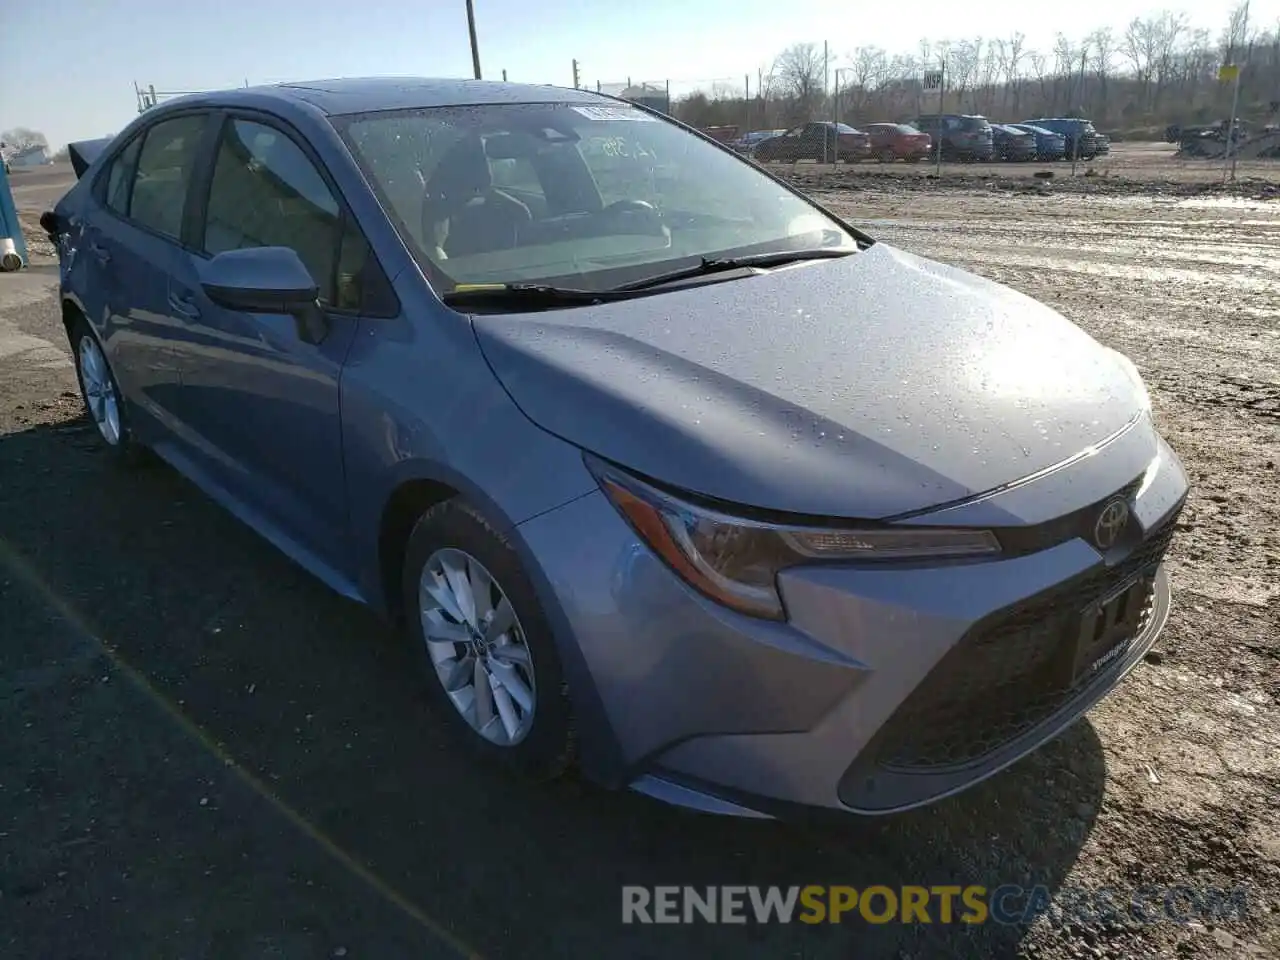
839,707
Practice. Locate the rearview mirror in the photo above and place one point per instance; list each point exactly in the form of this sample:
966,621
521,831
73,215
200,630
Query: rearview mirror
266,280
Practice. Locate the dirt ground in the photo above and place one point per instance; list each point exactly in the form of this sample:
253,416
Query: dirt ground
203,753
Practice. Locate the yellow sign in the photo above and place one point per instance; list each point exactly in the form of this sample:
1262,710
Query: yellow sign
1228,72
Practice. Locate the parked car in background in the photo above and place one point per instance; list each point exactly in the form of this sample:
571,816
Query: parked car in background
725,134
553,433
825,142
963,137
1013,144
897,141
1081,137
1102,145
748,141
1049,145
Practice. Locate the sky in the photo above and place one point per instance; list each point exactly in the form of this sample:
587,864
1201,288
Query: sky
68,68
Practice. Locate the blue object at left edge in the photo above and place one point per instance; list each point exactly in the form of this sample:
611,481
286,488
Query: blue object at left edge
9,226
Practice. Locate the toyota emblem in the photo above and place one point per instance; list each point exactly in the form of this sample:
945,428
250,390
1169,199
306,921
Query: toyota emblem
1110,525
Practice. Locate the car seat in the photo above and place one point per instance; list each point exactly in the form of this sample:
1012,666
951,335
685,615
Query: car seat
462,212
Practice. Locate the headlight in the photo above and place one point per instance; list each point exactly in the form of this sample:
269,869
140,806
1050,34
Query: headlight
735,561
1144,398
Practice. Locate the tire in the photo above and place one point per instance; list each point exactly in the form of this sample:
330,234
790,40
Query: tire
454,532
103,402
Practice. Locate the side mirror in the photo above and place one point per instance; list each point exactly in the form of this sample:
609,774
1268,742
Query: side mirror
266,280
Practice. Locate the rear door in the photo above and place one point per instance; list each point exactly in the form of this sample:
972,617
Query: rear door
130,245
263,402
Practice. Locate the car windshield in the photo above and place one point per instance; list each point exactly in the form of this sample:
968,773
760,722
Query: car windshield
974,124
583,195
845,128
907,128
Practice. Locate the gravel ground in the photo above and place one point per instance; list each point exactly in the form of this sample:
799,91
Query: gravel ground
205,754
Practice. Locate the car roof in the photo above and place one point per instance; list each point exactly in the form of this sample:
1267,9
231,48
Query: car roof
364,94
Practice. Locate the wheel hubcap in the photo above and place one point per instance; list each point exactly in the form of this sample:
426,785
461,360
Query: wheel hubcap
477,646
99,392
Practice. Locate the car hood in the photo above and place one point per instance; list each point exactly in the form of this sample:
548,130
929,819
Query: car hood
867,387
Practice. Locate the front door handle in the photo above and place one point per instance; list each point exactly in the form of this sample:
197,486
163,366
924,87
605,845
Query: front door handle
101,253
183,305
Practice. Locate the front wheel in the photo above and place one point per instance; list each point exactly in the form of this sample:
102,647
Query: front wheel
491,668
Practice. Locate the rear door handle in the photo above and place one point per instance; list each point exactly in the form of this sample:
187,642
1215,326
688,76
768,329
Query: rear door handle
183,305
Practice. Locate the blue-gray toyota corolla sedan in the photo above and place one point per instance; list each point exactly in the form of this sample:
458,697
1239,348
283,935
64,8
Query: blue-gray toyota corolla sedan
663,469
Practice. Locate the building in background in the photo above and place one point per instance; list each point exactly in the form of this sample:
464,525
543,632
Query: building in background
655,96
33,156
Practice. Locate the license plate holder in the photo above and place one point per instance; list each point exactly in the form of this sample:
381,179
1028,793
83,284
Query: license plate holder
1106,626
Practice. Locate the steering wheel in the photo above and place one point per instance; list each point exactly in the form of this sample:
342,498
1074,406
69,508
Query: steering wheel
631,206
640,212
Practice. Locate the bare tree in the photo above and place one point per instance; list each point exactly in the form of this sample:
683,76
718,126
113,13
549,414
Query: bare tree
20,138
963,64
1037,62
1010,54
1103,45
1141,46
1157,71
801,73
1236,34
1171,28
869,66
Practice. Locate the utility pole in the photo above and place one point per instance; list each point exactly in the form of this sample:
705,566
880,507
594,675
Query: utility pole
942,99
575,75
1233,131
504,74
826,93
1075,151
471,28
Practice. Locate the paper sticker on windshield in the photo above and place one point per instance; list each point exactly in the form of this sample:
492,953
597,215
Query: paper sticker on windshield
612,113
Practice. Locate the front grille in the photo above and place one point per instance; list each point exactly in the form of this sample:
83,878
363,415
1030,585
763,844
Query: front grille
1005,675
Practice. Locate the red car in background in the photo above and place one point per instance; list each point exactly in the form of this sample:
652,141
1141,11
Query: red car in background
898,141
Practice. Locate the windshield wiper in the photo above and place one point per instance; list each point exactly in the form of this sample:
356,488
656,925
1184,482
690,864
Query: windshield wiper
525,295
710,265
536,295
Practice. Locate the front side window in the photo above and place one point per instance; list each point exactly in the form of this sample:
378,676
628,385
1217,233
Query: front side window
159,195
580,195
265,192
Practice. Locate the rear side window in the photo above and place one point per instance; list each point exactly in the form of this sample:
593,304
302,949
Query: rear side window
159,194
119,178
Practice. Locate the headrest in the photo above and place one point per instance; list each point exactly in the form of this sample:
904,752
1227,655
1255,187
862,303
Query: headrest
461,174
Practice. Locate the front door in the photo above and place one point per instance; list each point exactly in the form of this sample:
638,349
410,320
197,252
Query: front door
263,404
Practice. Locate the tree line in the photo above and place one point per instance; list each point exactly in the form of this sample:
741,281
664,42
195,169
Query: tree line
1157,71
